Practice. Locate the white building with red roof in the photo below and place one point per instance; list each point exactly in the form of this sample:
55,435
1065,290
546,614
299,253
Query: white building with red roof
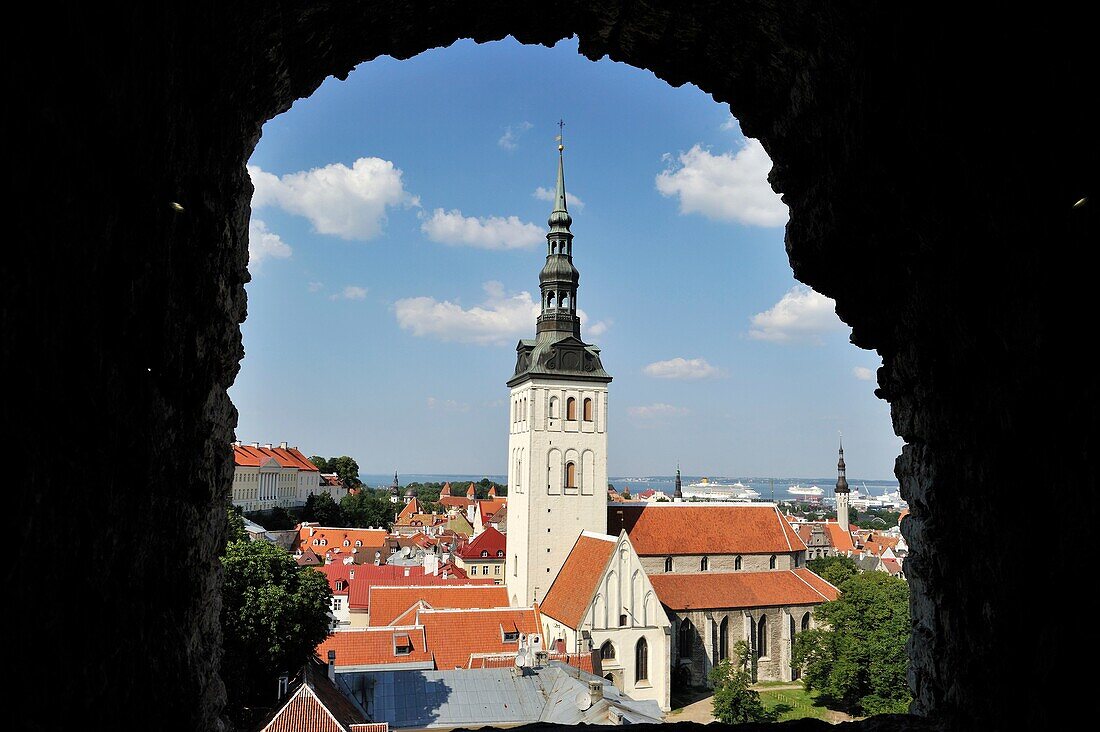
266,476
603,600
484,556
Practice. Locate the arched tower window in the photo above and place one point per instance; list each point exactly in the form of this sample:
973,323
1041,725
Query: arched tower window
668,564
737,563
762,637
607,651
806,621
687,638
724,639
570,408
553,407
570,475
587,410
771,562
704,564
641,661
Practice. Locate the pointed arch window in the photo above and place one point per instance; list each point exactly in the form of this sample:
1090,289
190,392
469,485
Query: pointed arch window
668,564
704,564
762,637
571,408
607,651
687,638
737,563
806,621
641,661
587,410
771,562
724,639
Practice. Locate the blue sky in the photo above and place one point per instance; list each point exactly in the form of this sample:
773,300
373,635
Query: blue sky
397,233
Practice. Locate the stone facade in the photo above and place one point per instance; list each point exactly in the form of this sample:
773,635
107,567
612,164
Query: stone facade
689,563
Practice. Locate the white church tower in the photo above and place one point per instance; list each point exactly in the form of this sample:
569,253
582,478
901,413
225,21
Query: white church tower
557,444
841,493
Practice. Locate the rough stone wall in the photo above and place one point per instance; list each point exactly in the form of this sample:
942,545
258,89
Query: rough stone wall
930,163
689,563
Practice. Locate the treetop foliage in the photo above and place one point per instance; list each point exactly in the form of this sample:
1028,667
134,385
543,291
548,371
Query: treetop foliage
733,701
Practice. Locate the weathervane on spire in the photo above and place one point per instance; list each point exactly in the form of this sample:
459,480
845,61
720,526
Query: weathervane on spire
561,135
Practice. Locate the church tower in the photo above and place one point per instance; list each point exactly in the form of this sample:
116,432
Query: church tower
557,444
841,492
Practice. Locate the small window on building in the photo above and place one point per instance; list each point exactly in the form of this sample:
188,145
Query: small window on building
553,407
771,562
337,603
668,564
587,410
570,475
515,565
641,661
511,635
485,569
500,553
484,552
402,645
607,651
737,563
347,543
571,408
622,620
496,569
704,564
797,560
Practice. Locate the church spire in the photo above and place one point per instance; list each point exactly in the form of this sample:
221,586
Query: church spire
559,279
679,494
841,492
841,480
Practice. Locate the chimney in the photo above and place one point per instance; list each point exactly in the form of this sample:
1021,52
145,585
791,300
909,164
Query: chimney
406,571
284,682
444,574
595,691
282,445
267,446
255,444
332,666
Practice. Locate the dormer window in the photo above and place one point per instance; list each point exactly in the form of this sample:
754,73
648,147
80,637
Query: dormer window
347,543
316,542
484,553
324,542
402,644
358,542
509,633
340,585
500,553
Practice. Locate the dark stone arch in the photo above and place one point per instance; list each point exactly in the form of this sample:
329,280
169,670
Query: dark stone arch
887,128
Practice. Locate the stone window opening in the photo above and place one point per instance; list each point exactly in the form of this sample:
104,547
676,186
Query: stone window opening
571,409
762,637
607,651
737,563
587,410
668,564
641,661
771,562
704,564
570,475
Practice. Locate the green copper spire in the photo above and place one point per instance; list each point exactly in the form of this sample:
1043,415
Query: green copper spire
560,220
558,279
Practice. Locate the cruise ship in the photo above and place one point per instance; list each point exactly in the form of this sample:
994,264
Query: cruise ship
706,490
812,492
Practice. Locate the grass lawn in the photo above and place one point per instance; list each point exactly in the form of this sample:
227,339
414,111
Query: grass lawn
792,704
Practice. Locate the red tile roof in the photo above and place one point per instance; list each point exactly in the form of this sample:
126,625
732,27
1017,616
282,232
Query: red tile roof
490,540
455,501
373,646
338,572
892,566
841,539
455,635
412,507
569,596
489,506
316,705
387,603
714,590
369,575
583,661
247,456
333,538
687,528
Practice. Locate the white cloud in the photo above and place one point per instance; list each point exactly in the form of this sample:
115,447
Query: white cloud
264,244
510,139
350,292
348,202
660,409
682,368
595,329
499,320
801,315
731,124
315,286
447,405
726,187
545,194
493,232
863,374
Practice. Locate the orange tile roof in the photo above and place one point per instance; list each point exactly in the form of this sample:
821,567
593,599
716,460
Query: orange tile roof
455,501
410,508
336,572
369,575
490,540
387,603
583,661
334,538
698,528
841,539
247,456
373,646
569,596
490,506
714,590
455,635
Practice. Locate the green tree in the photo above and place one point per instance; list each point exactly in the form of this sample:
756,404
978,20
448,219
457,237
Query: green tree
834,570
625,493
734,702
280,519
236,524
322,508
321,463
347,469
365,509
856,657
273,615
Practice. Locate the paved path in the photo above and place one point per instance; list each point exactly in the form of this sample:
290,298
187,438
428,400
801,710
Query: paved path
698,711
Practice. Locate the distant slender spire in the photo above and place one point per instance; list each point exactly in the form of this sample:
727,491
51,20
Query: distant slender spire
842,480
679,486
